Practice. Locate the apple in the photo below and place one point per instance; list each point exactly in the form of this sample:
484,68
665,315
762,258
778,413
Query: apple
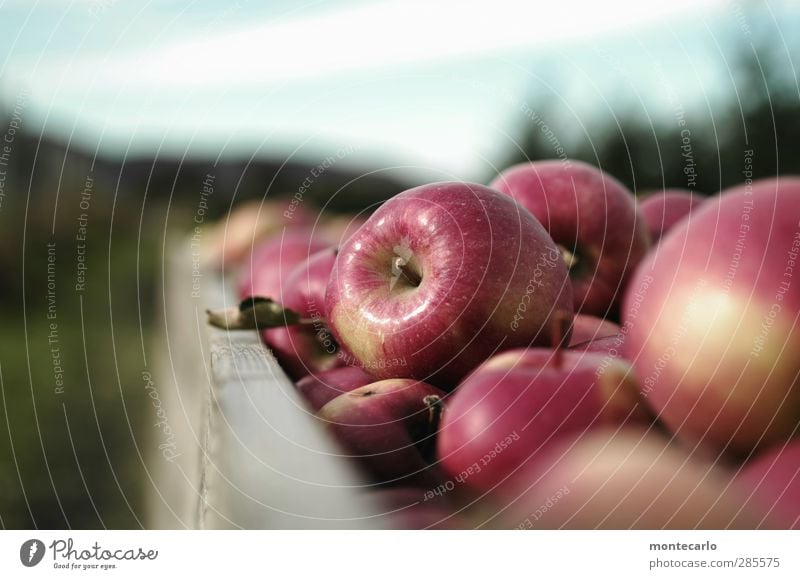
712,320
771,482
439,278
265,275
509,409
319,388
663,209
389,429
621,479
248,224
306,348
609,345
591,216
408,508
231,239
586,327
273,260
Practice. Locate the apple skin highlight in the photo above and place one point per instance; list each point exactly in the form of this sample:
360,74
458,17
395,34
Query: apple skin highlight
441,277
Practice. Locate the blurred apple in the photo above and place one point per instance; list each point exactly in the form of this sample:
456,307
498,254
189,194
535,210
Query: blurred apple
661,210
306,348
231,239
592,216
609,345
714,326
409,508
319,388
271,262
586,327
771,482
338,227
626,479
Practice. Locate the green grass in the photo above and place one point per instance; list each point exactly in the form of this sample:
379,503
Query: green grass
70,458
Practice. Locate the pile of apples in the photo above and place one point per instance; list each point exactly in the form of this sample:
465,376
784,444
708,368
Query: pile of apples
546,351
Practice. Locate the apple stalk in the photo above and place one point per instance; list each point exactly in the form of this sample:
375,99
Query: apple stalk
435,406
257,313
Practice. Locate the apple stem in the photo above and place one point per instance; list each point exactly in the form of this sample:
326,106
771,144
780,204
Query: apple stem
257,313
435,406
558,336
569,257
400,268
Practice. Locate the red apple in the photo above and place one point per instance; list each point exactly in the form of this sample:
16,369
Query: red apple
232,238
663,209
621,479
320,388
339,227
609,345
508,410
389,428
439,278
409,508
712,320
586,327
592,216
771,483
307,348
271,262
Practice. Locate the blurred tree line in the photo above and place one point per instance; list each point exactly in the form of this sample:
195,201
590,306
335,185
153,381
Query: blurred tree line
763,116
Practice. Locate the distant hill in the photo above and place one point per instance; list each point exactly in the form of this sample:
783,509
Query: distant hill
66,169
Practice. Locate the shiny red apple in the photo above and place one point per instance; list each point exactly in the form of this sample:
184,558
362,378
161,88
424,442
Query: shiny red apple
439,278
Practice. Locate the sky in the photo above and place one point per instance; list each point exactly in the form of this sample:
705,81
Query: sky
444,87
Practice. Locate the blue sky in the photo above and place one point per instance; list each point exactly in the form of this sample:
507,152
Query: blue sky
441,86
